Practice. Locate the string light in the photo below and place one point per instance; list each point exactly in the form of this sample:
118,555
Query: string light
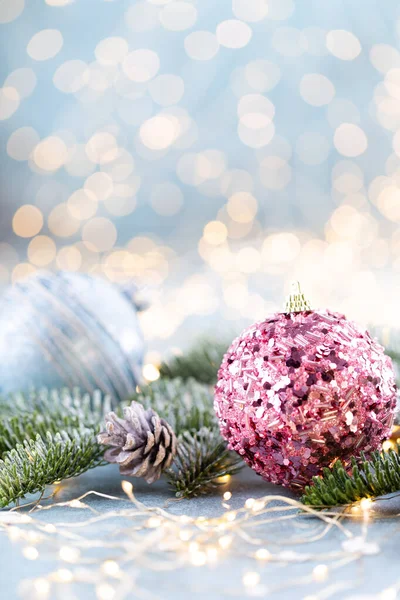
262,554
105,591
30,552
161,540
111,568
63,576
320,573
69,554
251,579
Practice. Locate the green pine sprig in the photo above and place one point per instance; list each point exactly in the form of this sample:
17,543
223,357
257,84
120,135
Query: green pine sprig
185,405
48,436
200,363
202,456
36,463
202,459
368,478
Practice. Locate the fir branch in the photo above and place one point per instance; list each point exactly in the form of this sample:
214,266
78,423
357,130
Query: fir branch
202,458
88,409
31,466
48,436
369,478
201,362
185,405
202,455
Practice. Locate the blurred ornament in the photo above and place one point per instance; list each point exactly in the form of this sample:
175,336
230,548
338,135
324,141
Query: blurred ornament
70,329
300,390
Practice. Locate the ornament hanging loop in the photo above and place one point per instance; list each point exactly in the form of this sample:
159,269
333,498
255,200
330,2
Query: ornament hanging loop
296,301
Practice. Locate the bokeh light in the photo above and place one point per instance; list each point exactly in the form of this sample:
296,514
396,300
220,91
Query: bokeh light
27,221
212,154
45,44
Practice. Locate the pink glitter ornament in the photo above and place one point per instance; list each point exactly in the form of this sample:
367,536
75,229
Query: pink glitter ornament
300,390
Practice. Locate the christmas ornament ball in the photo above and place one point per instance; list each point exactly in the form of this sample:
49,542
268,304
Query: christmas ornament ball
70,330
301,389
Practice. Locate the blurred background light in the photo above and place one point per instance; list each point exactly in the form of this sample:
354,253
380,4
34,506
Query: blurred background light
213,152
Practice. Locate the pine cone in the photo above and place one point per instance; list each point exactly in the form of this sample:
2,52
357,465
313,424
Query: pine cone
143,443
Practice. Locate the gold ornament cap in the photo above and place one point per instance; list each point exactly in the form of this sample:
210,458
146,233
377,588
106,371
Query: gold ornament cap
296,301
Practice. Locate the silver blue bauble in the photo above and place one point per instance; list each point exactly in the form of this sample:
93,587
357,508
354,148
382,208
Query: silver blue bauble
70,329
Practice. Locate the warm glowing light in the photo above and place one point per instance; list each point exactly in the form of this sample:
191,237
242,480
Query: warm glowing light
150,372
350,140
212,554
50,154
102,148
320,573
225,541
388,445
159,132
69,554
21,271
61,222
69,258
198,559
111,568
242,207
105,591
185,535
41,251
41,586
215,233
27,221
30,552
262,554
227,495
251,579
64,575
224,479
82,204
154,522
127,487
365,503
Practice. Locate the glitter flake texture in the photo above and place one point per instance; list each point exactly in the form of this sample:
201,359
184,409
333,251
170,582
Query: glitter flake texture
299,390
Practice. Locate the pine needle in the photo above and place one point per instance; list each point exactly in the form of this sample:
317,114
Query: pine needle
201,460
202,456
368,478
31,466
48,436
200,363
